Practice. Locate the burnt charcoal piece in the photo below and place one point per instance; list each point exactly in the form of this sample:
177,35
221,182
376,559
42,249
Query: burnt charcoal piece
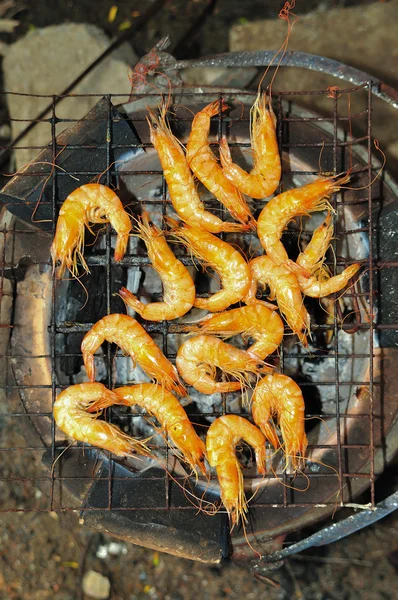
85,303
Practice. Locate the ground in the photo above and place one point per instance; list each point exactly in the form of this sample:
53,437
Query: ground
45,555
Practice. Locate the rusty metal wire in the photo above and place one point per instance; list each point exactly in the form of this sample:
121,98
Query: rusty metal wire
51,497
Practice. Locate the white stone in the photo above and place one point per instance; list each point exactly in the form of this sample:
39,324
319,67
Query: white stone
96,585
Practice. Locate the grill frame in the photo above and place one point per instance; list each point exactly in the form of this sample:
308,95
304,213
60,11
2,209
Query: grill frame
371,326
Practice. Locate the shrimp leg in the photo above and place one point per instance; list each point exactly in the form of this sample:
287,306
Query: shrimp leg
179,289
264,178
129,335
207,169
222,438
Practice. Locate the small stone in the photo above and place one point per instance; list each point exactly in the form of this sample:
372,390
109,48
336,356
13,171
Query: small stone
95,585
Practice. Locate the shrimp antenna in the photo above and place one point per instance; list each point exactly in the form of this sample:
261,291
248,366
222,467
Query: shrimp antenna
59,456
379,172
285,14
53,167
320,157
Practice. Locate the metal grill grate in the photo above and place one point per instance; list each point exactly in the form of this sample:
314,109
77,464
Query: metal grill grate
53,487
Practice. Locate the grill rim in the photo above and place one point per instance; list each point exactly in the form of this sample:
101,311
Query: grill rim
108,262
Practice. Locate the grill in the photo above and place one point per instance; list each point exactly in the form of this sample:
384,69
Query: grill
346,377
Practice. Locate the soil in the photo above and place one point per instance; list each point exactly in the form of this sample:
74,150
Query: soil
45,555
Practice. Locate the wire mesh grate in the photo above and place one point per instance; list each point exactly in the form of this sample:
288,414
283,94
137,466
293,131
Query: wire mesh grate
29,396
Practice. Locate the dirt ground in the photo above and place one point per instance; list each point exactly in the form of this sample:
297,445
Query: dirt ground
46,555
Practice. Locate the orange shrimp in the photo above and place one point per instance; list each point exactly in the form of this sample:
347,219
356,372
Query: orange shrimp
254,321
285,289
281,209
198,358
222,438
207,169
265,175
170,414
180,182
73,414
91,203
129,335
281,396
320,283
228,263
179,289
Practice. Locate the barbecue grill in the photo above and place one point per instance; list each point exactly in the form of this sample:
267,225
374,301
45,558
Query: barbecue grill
347,376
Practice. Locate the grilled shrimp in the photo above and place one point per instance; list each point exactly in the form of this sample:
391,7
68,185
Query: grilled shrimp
264,178
170,414
281,209
207,169
254,321
182,188
320,283
131,337
281,396
198,357
222,438
285,289
228,263
73,415
91,203
179,289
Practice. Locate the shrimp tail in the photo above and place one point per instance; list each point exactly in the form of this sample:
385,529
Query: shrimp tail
121,246
297,269
213,109
130,300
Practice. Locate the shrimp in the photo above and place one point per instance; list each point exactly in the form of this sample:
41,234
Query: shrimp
264,178
222,438
279,211
228,263
91,203
129,335
320,283
255,321
182,188
281,396
170,414
285,289
198,357
179,289
73,415
207,169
